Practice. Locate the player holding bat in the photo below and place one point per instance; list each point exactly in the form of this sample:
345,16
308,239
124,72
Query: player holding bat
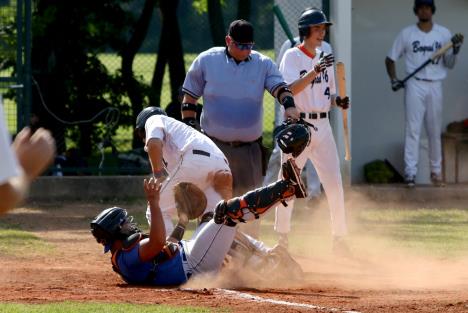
429,49
309,73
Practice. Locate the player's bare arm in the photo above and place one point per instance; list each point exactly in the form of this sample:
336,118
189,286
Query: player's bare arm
155,154
151,246
391,71
304,81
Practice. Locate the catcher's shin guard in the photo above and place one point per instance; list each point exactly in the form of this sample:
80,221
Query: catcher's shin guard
292,174
256,202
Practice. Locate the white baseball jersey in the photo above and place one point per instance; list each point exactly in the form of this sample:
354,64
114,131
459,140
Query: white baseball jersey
418,46
178,138
191,157
322,148
9,165
295,63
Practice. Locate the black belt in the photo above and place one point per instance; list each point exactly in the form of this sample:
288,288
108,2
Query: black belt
201,152
425,79
314,116
238,143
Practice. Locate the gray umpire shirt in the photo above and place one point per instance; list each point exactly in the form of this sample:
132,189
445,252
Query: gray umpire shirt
232,93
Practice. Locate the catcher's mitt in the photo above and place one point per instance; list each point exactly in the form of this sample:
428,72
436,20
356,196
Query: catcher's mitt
190,200
293,136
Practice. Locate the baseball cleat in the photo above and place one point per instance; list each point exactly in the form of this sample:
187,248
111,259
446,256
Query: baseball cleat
292,174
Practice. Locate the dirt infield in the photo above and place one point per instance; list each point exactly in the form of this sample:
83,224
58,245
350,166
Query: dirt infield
77,270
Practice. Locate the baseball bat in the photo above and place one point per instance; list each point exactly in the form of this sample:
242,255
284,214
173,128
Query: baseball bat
436,55
284,24
340,76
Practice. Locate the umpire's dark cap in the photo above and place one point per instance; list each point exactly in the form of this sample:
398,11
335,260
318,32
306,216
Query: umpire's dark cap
241,31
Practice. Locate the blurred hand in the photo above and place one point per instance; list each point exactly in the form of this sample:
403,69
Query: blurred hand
324,62
342,102
397,84
152,189
34,152
457,41
292,113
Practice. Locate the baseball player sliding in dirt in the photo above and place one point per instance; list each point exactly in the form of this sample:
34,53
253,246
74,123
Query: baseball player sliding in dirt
310,75
179,153
141,259
423,92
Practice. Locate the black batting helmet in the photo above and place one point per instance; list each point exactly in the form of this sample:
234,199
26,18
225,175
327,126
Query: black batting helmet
145,114
112,224
293,138
311,17
418,3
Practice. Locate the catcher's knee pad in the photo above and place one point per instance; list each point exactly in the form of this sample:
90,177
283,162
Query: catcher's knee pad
256,202
222,183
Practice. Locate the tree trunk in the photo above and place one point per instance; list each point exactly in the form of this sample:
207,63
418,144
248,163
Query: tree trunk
170,52
243,10
215,15
131,85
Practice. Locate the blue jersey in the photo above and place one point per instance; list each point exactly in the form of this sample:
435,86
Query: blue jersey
232,93
134,271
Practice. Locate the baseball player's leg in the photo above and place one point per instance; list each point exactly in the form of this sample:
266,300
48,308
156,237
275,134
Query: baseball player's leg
256,202
207,250
283,213
274,165
433,121
313,182
415,110
326,162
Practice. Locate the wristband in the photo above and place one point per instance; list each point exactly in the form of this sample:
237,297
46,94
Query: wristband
288,102
189,107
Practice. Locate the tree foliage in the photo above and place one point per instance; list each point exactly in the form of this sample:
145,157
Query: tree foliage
73,83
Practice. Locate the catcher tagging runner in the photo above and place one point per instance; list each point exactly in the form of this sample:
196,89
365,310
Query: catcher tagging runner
310,75
179,153
141,259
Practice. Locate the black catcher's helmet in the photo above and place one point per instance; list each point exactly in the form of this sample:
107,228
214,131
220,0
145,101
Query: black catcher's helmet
145,114
418,3
311,17
112,224
293,138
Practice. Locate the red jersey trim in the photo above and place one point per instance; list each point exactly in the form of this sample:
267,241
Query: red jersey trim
305,51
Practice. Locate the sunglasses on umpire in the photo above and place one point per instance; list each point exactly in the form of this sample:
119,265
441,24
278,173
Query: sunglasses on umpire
243,46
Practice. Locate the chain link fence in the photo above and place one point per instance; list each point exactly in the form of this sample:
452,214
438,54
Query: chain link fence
113,154
9,54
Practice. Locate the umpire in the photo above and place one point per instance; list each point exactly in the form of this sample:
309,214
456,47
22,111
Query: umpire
232,81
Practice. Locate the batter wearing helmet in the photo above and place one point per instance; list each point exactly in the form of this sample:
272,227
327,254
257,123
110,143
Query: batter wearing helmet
179,153
423,92
309,73
141,259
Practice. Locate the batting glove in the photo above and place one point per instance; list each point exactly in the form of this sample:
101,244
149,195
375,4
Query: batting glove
397,84
324,62
457,41
342,102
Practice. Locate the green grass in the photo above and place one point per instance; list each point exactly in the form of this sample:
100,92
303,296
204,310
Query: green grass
77,307
14,241
438,232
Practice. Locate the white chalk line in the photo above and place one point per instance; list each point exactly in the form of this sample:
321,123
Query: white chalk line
254,298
